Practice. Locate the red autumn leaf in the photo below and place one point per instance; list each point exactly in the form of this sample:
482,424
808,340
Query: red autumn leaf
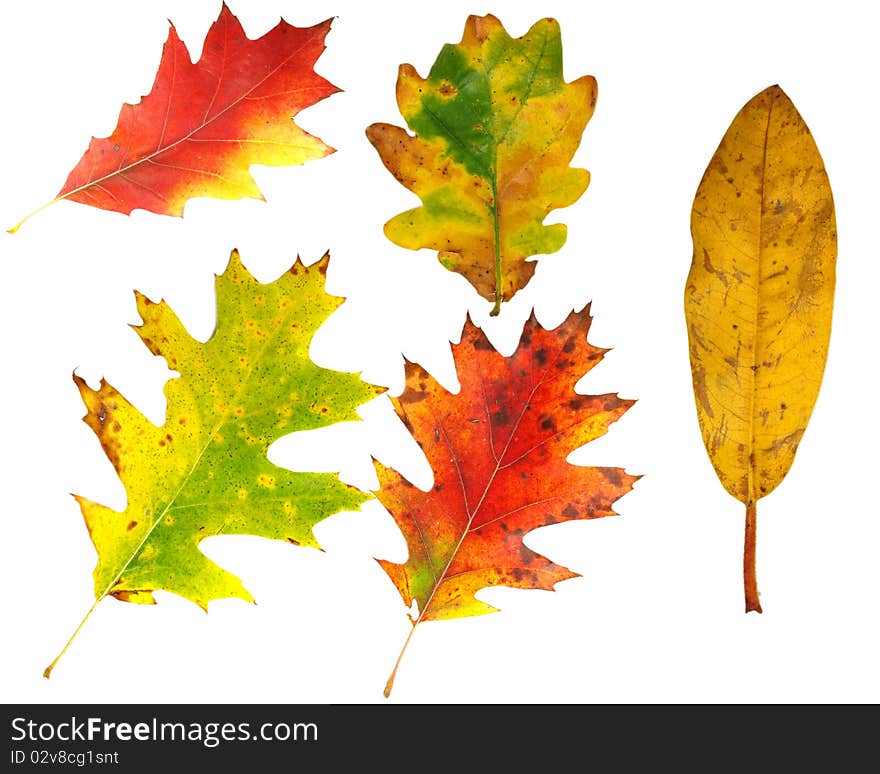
203,124
498,450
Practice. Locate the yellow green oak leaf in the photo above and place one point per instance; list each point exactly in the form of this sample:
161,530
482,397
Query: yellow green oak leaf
496,128
205,471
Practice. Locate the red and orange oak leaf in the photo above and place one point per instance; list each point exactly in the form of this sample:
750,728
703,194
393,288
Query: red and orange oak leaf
498,450
203,124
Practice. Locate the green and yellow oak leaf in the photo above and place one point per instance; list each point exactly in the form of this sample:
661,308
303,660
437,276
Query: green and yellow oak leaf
205,471
496,128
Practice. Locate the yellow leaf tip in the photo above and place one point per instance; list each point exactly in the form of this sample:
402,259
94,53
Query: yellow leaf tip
772,94
406,72
488,19
143,302
321,265
235,264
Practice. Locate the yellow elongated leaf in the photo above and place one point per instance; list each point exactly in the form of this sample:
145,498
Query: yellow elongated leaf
759,299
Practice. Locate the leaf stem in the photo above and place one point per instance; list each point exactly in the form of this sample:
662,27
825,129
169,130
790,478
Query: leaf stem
27,217
48,670
496,226
750,579
390,684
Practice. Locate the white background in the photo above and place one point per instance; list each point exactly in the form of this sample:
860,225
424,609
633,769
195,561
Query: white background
658,614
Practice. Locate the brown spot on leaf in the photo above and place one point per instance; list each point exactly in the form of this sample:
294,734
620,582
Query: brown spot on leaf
447,90
480,342
702,391
612,402
613,475
407,423
413,396
500,418
791,441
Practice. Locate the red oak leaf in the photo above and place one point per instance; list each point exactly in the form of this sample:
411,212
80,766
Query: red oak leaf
498,450
203,124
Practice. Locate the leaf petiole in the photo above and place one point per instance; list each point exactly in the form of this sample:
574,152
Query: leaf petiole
496,227
48,670
390,684
750,579
27,217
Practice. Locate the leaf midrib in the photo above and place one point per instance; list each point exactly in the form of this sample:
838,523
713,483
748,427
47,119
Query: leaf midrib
756,359
491,172
444,575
